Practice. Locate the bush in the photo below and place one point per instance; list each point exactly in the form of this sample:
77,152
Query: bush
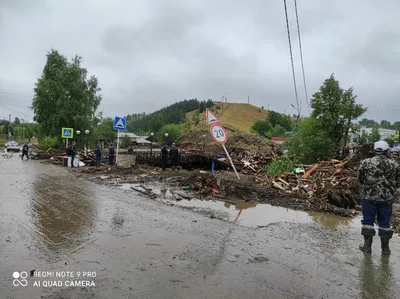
310,142
280,165
52,142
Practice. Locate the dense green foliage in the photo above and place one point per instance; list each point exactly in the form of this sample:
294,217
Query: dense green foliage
276,124
65,96
173,114
280,165
325,133
384,124
310,142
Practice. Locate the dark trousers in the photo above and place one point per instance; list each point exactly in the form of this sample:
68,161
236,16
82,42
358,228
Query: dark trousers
383,212
175,163
98,160
164,163
72,160
25,153
111,159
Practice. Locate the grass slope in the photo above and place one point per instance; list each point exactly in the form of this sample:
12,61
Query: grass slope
235,116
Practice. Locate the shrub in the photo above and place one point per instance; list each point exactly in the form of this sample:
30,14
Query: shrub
52,142
280,165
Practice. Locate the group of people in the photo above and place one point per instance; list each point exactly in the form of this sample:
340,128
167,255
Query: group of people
170,156
72,152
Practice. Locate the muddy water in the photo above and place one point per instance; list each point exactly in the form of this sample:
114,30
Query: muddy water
53,221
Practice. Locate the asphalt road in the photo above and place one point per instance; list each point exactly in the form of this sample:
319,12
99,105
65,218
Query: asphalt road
126,246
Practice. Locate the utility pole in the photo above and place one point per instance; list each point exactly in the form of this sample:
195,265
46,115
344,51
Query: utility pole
9,129
248,99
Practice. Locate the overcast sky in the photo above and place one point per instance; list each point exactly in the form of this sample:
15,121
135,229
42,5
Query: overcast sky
149,54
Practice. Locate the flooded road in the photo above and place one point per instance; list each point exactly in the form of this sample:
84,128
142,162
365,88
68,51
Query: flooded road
114,243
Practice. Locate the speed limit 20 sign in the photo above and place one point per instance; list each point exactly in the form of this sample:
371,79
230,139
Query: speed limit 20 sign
218,133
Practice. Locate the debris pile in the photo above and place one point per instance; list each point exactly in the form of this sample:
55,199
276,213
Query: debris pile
333,182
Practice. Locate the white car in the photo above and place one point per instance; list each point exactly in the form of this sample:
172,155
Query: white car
13,146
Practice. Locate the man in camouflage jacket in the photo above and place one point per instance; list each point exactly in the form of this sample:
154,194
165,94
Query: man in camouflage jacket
379,179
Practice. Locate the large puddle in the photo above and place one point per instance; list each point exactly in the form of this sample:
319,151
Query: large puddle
255,215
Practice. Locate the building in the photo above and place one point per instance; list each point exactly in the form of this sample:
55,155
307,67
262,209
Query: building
280,139
384,133
136,139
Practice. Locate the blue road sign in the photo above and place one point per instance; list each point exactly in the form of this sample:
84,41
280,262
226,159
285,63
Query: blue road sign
67,132
119,123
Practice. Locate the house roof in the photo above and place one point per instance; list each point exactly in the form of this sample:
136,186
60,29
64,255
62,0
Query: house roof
280,138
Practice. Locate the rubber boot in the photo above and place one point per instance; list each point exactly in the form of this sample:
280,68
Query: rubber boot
368,233
385,235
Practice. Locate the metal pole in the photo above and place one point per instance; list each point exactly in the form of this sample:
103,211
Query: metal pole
116,160
230,160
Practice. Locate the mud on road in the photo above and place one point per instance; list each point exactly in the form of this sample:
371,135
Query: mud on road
53,220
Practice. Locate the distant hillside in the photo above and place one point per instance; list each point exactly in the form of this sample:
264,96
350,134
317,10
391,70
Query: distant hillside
233,116
173,114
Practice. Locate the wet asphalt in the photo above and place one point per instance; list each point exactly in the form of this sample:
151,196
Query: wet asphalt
53,222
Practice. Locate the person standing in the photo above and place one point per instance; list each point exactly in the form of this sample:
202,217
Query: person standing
164,157
379,179
111,154
25,151
174,156
97,152
73,152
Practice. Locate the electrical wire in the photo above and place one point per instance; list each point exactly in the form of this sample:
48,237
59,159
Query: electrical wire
301,56
291,58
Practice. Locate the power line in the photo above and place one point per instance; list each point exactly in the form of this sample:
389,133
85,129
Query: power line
291,58
301,55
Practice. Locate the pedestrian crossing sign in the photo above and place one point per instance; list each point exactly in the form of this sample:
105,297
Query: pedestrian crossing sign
119,123
67,133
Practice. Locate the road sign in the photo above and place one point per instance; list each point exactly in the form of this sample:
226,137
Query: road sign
218,133
211,118
67,133
119,123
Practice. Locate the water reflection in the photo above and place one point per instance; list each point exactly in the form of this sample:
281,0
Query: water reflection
376,281
63,214
330,221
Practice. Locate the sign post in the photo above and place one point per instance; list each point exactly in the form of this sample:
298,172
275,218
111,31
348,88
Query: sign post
67,133
119,125
220,136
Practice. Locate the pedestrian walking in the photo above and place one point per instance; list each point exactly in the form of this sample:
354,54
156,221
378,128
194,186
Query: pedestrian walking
174,156
97,152
25,151
164,157
379,179
73,152
111,154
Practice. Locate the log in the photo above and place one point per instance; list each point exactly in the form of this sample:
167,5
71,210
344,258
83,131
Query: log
310,171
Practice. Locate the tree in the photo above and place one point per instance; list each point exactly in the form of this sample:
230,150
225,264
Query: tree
17,122
126,141
174,133
385,124
202,107
156,122
278,130
276,118
311,142
365,122
374,136
262,127
336,110
65,96
104,130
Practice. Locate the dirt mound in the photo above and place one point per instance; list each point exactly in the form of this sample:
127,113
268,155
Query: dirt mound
236,140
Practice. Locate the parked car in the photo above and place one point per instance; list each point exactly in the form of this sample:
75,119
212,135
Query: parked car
13,146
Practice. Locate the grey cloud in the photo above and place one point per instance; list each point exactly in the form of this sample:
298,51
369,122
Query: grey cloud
149,54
